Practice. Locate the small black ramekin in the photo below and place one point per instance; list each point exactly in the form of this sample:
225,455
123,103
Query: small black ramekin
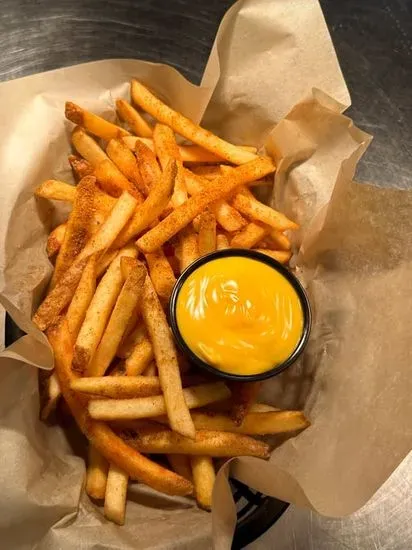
253,254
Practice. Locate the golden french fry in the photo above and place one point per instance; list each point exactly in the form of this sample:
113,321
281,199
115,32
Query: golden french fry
80,167
96,475
125,161
222,242
55,240
189,153
105,261
86,146
114,182
152,207
49,395
126,303
166,360
82,298
203,480
140,358
227,216
251,207
135,336
249,236
56,190
78,227
116,493
207,233
147,407
279,240
210,443
161,274
94,124
186,128
151,370
117,387
217,189
112,447
148,167
281,256
188,247
254,423
181,465
99,312
208,171
244,394
129,114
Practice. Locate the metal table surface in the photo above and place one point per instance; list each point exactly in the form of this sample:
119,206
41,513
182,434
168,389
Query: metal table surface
373,39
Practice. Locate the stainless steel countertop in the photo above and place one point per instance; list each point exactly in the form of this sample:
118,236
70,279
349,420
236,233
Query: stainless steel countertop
373,39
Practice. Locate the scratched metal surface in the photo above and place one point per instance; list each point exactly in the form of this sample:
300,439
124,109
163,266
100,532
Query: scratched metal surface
373,39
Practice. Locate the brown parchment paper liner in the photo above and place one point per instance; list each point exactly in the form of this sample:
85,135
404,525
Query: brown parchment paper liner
279,84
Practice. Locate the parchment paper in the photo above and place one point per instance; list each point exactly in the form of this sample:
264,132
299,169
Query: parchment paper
279,84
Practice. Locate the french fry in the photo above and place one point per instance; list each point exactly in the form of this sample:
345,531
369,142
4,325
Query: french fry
80,167
188,246
129,114
96,475
105,261
203,480
189,153
99,312
55,240
126,303
207,233
148,167
147,407
244,394
249,236
257,211
209,172
101,436
222,242
135,336
49,396
125,161
181,465
279,240
210,443
116,494
161,274
114,182
217,189
94,124
152,207
140,358
82,298
78,227
281,256
186,128
166,360
86,146
151,370
254,423
56,190
117,387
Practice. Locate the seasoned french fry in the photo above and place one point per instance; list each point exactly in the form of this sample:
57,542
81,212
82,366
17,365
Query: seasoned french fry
118,387
203,480
129,114
222,242
56,190
151,370
130,340
78,227
181,465
105,261
147,407
86,146
207,233
116,493
114,182
152,207
148,167
49,396
112,447
244,394
209,172
126,303
206,442
166,360
282,256
279,240
80,167
82,298
217,189
186,128
99,312
94,124
188,246
254,423
251,207
161,274
55,240
96,475
125,161
249,236
140,358
189,153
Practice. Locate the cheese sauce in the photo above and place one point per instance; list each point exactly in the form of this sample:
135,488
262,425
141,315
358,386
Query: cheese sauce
239,315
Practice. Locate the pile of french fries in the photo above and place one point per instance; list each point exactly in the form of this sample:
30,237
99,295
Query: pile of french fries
143,209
